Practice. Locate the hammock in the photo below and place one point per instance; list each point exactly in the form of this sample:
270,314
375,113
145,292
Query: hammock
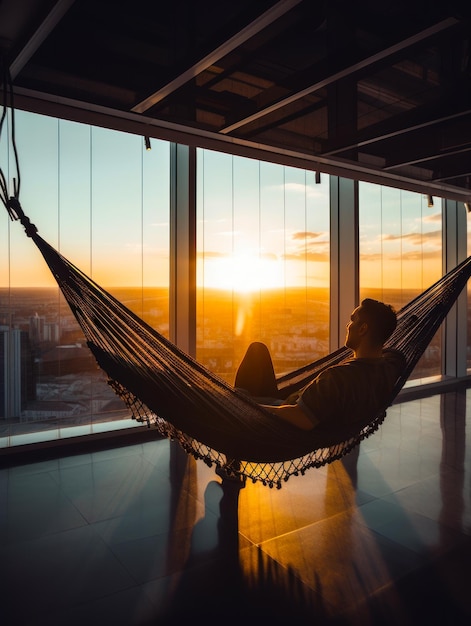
164,387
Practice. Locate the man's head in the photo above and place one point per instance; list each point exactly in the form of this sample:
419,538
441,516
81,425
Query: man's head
372,323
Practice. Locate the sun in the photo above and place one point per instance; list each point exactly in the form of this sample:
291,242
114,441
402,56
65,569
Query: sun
243,273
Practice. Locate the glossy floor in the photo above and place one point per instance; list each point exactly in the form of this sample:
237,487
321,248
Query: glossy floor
142,534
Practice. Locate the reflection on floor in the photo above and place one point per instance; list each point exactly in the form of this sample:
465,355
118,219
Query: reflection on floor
144,535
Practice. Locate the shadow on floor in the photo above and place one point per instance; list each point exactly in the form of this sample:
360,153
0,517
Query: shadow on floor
238,584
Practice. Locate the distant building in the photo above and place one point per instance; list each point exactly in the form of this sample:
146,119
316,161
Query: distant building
36,328
16,372
51,332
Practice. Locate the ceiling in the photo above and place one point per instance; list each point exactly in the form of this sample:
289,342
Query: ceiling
371,90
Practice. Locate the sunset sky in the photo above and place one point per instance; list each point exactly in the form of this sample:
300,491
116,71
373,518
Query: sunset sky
102,199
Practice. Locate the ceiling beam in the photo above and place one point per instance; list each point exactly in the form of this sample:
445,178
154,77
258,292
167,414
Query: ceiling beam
400,126
346,72
431,155
264,20
39,36
465,171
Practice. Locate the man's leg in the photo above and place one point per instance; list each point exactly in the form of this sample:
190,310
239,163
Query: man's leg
256,374
256,377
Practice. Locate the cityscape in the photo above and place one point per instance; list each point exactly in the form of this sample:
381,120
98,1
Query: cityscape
49,376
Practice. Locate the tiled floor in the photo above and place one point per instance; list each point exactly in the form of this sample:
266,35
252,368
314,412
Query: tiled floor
142,534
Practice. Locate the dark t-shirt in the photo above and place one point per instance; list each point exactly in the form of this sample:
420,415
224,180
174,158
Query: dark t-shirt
347,392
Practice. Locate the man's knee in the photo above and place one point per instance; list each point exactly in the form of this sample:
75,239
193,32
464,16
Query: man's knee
255,373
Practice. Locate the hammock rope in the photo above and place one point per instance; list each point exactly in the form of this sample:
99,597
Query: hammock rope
169,390
166,388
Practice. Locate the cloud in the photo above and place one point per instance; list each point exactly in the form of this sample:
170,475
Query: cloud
307,235
418,239
213,255
210,254
317,251
412,255
318,256
299,187
436,217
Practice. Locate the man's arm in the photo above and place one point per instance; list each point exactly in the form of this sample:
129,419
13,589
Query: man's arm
293,414
314,405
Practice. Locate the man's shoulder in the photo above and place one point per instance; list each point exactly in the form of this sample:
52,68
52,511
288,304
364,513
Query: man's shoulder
394,355
391,359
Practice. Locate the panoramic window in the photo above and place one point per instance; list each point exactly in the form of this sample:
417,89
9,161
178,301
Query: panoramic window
103,200
400,253
263,262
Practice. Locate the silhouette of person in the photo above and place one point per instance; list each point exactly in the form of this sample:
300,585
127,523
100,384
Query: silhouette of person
342,393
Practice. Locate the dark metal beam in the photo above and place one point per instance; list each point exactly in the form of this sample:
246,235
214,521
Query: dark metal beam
277,11
401,126
40,35
431,155
346,72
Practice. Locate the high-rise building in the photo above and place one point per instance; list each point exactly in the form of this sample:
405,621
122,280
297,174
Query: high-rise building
16,372
36,328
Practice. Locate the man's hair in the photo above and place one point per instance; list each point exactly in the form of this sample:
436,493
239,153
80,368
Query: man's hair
380,317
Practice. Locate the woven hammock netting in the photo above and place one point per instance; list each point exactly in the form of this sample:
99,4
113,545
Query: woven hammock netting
167,389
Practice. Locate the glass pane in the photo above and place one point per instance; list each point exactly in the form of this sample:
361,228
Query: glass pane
263,262
400,253
101,199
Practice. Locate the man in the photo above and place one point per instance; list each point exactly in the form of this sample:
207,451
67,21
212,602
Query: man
340,394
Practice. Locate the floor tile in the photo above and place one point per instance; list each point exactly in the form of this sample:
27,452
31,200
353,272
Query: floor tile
33,506
129,607
57,571
342,561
